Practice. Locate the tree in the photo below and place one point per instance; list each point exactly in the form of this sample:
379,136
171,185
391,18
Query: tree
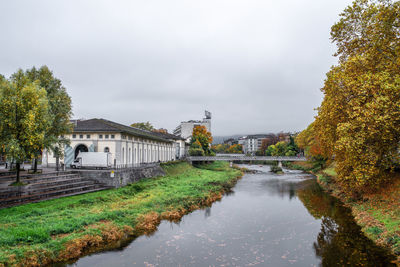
235,149
282,148
161,130
203,137
24,118
266,142
60,109
147,126
358,122
309,143
196,149
225,148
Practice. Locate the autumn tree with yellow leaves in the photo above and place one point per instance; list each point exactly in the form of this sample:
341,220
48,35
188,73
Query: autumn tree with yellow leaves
309,143
24,118
201,140
358,122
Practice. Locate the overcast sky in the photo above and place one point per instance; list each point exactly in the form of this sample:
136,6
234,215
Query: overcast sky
258,66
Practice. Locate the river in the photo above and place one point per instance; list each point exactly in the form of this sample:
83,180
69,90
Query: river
268,220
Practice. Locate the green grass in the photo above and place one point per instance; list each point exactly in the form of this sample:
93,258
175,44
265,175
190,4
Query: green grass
324,178
374,230
47,226
302,166
330,171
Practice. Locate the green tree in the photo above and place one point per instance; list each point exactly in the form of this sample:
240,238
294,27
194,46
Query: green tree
147,126
279,149
24,118
282,149
196,149
60,110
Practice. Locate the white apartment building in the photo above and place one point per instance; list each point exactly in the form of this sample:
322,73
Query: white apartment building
185,128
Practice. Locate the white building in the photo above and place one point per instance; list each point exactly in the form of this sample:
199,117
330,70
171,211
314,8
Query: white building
185,129
127,145
252,143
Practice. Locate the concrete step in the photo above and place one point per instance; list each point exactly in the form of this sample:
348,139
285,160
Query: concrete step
44,190
37,180
13,201
6,173
12,176
43,187
55,182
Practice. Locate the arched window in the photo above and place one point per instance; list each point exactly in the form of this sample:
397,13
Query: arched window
123,155
80,148
129,155
107,149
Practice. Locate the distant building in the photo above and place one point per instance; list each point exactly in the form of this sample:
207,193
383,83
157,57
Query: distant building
284,137
127,145
252,143
231,141
185,129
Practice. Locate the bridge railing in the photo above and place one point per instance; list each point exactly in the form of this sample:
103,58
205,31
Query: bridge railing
245,158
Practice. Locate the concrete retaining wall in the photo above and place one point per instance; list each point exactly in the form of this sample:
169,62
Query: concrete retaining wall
119,178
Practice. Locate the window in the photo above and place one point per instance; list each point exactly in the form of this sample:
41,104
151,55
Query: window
81,136
123,137
100,136
112,136
74,136
88,136
106,149
129,137
106,136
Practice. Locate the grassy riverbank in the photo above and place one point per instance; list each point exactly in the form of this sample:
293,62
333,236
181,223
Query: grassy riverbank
378,214
67,228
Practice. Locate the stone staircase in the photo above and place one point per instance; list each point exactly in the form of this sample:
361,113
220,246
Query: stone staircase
45,186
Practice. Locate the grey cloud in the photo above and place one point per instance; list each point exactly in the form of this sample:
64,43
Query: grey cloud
256,65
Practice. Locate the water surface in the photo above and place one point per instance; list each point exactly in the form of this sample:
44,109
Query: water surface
269,220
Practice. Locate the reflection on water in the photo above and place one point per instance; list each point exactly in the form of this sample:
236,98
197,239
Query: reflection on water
340,241
270,220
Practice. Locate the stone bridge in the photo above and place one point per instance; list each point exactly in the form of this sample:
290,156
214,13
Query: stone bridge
245,158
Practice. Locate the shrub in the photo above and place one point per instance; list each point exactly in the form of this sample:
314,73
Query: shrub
196,152
276,169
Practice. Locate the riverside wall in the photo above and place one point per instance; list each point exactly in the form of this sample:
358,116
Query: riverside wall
122,177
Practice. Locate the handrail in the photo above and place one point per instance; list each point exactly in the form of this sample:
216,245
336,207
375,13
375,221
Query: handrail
246,158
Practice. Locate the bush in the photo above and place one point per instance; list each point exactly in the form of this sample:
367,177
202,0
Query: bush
196,152
276,169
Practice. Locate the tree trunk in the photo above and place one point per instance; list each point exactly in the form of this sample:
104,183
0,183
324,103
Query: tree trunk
17,167
57,162
35,165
